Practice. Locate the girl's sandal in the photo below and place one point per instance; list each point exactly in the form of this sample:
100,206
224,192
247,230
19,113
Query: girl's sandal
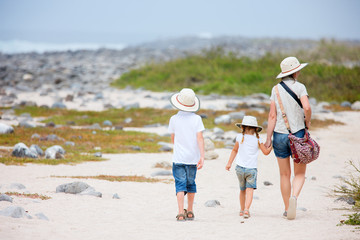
246,213
241,213
180,217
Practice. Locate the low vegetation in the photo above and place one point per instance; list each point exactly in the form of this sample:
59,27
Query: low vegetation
328,78
28,195
110,178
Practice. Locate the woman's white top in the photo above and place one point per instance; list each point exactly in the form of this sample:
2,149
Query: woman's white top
294,112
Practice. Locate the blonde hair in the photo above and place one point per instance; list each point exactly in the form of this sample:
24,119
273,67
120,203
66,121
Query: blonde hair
243,133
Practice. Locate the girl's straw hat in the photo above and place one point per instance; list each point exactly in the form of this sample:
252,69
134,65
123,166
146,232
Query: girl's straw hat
289,66
185,100
249,121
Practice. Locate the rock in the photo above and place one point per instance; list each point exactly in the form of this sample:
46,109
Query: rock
345,104
35,136
21,150
69,143
50,124
130,106
116,196
6,129
237,115
223,119
28,77
17,186
302,209
26,124
136,148
208,144
36,149
99,96
70,123
41,216
53,137
212,203
162,173
15,212
95,126
218,131
267,183
69,98
338,176
313,178
232,105
54,152
128,120
119,127
107,123
59,105
355,105
4,197
91,191
98,154
349,200
73,188
210,155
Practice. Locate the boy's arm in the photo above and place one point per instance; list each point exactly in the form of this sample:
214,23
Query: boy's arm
200,141
264,149
232,156
172,138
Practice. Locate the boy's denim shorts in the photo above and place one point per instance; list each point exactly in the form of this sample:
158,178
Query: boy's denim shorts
281,143
184,177
247,177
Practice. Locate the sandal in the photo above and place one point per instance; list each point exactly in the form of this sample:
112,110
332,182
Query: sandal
180,217
187,213
291,213
246,213
241,213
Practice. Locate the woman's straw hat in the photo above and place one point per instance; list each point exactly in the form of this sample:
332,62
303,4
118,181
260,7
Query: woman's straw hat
289,66
185,100
249,121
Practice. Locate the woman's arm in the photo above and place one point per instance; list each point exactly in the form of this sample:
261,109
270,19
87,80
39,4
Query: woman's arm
271,124
307,110
232,156
200,140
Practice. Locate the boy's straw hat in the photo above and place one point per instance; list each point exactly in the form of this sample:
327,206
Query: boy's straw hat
289,66
185,100
249,121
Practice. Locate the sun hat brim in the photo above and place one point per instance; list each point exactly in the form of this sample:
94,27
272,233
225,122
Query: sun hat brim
258,128
194,108
302,65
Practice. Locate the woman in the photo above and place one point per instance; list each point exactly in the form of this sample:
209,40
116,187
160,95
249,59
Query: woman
290,71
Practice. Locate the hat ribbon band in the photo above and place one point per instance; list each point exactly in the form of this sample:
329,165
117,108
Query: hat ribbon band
184,104
291,69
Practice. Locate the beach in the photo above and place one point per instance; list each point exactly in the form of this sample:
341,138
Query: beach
147,210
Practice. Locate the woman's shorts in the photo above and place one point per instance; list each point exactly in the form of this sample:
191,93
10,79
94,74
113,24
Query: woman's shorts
184,177
281,143
247,177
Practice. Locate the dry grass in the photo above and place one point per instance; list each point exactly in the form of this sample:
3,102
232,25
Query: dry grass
110,178
28,195
164,165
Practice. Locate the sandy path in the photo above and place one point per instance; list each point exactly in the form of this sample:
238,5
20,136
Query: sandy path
147,210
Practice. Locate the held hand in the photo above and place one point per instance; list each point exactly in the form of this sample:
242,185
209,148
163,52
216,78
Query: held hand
267,143
200,164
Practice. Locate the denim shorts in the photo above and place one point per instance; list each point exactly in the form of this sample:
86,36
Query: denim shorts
247,177
184,177
281,143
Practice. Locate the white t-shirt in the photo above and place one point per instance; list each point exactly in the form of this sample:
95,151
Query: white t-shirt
185,126
294,112
248,151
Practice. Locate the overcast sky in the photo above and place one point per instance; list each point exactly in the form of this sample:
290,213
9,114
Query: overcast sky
133,21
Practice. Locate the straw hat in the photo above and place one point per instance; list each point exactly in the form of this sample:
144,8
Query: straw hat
289,66
185,100
249,121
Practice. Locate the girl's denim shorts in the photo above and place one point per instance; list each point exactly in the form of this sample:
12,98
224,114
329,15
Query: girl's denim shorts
281,143
184,177
247,177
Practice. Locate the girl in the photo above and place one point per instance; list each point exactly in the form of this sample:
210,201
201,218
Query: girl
245,152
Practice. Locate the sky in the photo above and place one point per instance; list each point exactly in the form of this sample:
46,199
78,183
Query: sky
136,21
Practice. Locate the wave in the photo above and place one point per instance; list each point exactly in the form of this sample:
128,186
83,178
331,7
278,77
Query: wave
21,46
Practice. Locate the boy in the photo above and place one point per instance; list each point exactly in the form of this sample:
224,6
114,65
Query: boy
186,134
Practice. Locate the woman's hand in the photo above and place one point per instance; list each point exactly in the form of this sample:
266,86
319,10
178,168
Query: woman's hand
228,166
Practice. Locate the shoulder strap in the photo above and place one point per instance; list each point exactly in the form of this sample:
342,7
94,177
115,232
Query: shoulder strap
291,93
282,109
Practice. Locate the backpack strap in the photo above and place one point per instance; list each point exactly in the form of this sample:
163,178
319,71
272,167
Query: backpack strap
291,93
282,109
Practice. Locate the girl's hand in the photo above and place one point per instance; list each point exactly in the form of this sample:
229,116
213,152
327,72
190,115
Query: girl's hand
228,166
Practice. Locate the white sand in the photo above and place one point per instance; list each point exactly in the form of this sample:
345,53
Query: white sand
148,210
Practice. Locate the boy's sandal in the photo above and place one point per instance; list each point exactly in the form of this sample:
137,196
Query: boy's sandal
190,215
241,213
180,217
246,213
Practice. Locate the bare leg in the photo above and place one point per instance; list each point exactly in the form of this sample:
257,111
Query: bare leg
299,179
285,185
249,197
190,197
242,199
180,200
